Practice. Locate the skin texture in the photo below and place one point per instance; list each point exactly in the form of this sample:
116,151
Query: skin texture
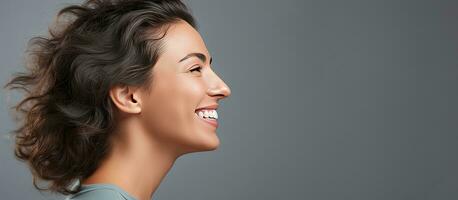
158,125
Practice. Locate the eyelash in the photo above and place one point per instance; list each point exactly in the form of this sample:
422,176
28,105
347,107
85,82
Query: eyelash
197,68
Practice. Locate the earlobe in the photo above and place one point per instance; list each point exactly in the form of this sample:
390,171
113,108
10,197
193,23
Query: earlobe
124,99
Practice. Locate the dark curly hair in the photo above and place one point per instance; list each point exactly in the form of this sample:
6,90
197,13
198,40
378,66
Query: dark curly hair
67,117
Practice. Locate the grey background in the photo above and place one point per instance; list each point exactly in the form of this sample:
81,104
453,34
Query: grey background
330,99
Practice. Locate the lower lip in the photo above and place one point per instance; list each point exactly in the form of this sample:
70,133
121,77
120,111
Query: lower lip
209,121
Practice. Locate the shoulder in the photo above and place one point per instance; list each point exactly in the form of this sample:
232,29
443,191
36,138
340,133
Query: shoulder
97,194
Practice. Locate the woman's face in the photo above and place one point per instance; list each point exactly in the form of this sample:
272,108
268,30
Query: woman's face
179,87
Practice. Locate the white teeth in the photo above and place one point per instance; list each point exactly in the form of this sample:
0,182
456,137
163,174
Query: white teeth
212,114
208,114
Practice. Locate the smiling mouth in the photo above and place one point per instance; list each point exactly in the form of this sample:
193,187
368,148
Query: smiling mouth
208,116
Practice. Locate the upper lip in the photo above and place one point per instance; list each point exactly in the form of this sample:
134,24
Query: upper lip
210,107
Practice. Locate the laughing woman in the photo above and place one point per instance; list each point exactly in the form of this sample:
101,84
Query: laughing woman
114,95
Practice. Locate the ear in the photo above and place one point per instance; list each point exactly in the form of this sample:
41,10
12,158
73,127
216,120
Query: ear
126,98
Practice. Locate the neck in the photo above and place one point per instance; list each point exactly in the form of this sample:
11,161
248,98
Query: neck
137,163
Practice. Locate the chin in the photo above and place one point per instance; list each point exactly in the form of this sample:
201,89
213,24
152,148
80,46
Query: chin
213,145
209,144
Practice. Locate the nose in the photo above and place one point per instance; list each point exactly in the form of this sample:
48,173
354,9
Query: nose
218,88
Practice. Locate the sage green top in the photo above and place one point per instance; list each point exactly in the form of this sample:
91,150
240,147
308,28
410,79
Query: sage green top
100,191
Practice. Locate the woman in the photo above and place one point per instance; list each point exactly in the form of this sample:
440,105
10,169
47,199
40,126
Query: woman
114,96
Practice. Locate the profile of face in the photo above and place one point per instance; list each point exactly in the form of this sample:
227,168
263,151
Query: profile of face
183,81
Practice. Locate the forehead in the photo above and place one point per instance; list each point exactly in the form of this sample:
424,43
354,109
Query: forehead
182,39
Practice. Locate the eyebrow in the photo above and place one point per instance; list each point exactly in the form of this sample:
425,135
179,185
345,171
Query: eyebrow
201,56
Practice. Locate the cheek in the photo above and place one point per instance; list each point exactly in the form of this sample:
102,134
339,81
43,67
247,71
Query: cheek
169,113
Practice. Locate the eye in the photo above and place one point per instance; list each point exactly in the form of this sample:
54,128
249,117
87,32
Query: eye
196,69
